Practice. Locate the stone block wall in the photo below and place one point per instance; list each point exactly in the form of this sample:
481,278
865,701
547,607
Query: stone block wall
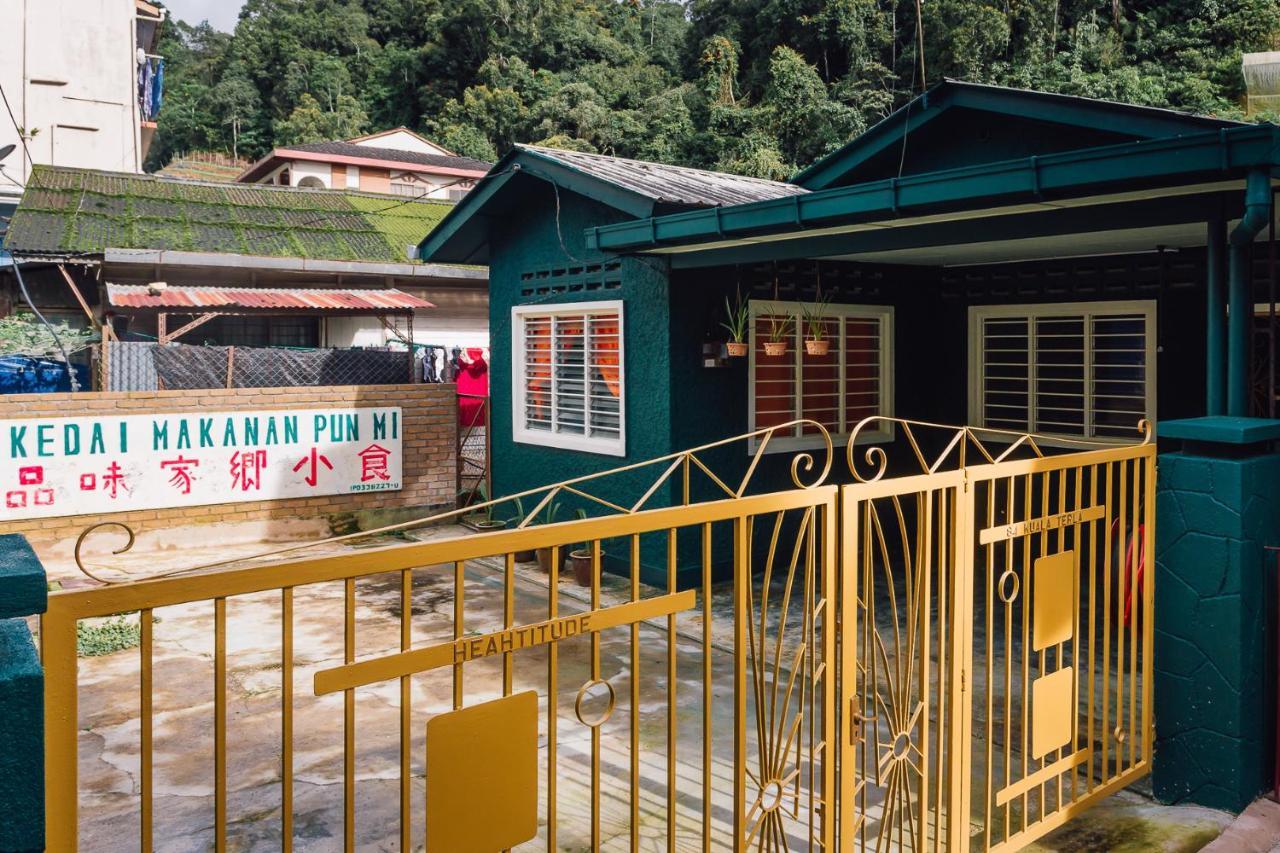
1214,714
429,442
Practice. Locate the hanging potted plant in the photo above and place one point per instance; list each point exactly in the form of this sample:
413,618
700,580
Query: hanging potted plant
739,322
780,330
815,327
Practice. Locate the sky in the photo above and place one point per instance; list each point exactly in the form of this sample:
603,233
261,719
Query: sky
221,14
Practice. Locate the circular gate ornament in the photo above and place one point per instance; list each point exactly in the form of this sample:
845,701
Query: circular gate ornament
585,692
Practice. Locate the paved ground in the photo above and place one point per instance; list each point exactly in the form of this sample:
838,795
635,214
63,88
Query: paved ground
184,731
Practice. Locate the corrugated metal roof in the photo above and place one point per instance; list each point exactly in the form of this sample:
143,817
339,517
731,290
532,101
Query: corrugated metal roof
212,298
670,184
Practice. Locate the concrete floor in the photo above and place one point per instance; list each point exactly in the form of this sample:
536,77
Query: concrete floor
183,704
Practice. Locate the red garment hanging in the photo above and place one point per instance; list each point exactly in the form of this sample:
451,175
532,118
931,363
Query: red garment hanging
473,384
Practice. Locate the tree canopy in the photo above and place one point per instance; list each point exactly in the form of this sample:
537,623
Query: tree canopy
759,87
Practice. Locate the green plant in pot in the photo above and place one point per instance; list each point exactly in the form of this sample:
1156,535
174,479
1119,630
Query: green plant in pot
781,328
484,521
815,326
738,324
580,559
544,554
526,556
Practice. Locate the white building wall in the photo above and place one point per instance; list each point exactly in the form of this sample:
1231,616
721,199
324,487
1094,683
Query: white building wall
402,140
300,170
69,70
460,319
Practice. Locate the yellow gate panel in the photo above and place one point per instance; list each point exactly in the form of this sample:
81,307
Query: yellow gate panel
957,659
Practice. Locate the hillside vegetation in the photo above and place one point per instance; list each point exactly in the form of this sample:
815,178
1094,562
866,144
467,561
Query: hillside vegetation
759,87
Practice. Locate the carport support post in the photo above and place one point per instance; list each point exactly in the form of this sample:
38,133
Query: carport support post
1217,508
23,593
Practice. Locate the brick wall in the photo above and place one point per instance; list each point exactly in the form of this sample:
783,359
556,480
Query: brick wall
429,441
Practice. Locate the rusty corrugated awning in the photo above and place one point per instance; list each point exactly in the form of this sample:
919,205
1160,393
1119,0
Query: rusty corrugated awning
223,299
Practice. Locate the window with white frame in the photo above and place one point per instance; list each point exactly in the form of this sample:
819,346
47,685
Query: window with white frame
1078,370
568,376
838,389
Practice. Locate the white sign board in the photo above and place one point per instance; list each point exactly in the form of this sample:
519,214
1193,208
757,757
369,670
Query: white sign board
87,466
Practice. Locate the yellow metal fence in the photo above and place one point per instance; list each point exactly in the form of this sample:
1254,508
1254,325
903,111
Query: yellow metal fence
952,660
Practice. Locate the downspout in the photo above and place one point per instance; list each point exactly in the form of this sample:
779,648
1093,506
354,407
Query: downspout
1215,319
1257,213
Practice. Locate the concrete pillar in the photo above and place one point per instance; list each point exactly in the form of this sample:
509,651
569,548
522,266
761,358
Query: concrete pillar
23,592
1217,508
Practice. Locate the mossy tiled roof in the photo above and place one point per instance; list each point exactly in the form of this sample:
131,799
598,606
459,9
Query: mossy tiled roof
81,211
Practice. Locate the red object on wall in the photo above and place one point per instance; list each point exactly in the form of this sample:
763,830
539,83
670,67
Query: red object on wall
473,385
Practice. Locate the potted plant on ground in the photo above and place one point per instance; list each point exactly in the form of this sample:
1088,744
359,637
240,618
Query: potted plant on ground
739,322
528,555
815,326
483,521
780,330
544,554
580,559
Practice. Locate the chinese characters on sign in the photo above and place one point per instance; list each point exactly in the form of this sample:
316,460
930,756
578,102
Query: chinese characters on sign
80,466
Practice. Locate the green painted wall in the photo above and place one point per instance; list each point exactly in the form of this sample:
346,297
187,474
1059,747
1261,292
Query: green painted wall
1213,689
530,242
22,593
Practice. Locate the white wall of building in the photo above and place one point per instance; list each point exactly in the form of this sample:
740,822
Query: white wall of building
69,70
460,318
300,170
403,140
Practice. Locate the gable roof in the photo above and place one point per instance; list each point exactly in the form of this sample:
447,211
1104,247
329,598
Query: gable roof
635,187
402,129
666,184
350,151
1117,122
83,211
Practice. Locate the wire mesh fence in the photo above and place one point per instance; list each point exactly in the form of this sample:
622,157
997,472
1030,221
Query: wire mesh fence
145,366
474,484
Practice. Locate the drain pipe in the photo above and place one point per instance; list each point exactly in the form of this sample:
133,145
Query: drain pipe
1216,318
1257,213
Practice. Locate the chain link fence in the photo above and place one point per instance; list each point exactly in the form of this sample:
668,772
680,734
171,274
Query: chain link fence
145,366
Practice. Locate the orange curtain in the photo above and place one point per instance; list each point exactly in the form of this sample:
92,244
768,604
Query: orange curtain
609,357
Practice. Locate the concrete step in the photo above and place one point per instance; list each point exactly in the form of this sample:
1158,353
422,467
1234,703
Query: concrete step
1256,830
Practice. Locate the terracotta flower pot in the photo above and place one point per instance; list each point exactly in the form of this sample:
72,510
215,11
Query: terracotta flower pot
581,561
525,556
775,348
816,347
544,559
737,349
487,525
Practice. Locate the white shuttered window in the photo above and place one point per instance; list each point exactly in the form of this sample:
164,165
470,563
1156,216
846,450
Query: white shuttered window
567,377
1078,370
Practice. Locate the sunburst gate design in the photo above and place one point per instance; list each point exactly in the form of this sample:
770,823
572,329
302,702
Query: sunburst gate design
783,682
893,671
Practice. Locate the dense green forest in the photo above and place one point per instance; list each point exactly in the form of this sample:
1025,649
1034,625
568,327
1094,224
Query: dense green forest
752,86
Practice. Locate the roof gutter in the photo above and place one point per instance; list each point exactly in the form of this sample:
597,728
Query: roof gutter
1035,178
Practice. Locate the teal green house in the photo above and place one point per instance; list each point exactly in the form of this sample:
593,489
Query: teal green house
1006,259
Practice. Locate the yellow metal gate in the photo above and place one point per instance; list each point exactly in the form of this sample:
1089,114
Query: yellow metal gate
997,639
888,665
